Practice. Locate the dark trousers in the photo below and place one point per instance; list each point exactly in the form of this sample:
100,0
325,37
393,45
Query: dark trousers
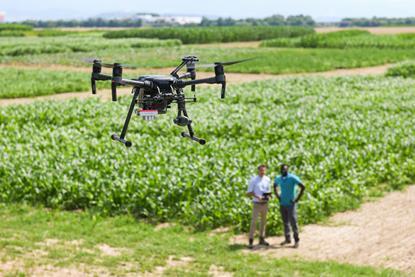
289,217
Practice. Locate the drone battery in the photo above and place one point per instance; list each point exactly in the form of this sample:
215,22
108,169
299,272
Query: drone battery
148,114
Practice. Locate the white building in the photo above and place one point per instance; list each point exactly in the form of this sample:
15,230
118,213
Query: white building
181,20
2,16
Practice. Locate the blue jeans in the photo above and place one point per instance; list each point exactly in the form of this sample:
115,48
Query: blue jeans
289,217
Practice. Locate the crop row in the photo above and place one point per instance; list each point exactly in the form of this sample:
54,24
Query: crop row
16,83
35,45
346,39
405,70
212,34
269,60
345,137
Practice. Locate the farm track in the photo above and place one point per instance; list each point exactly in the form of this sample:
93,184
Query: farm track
232,78
379,233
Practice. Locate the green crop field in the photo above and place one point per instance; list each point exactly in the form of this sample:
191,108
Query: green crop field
269,60
348,138
36,82
63,156
406,70
345,39
152,53
50,45
212,34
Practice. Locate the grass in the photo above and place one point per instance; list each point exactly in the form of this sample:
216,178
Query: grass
34,239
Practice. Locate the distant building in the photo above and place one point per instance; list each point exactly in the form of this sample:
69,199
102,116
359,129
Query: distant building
180,20
2,16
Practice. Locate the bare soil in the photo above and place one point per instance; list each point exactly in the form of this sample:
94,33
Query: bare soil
379,233
232,78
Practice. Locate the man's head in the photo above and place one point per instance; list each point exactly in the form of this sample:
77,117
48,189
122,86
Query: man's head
284,170
262,170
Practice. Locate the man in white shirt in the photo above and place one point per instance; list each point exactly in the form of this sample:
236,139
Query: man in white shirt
260,190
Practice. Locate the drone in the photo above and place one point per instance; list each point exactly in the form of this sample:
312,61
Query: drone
153,94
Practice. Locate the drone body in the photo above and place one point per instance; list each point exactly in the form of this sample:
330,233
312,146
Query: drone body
154,94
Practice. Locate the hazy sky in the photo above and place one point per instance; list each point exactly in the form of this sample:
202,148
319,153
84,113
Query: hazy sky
319,9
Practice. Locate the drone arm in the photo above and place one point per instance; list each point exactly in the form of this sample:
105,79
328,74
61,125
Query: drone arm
182,84
134,83
218,79
98,77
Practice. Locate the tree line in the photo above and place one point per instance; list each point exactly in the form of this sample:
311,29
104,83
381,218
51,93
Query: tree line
377,22
274,20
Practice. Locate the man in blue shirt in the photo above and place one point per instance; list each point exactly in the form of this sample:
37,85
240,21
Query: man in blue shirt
287,183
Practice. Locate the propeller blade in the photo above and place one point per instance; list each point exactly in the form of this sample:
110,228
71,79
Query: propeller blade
223,63
235,62
108,65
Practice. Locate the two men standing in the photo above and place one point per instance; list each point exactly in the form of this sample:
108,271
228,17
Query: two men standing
259,190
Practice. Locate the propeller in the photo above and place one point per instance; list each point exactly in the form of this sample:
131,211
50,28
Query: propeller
223,63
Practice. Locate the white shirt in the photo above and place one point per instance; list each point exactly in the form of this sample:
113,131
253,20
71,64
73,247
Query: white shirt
259,185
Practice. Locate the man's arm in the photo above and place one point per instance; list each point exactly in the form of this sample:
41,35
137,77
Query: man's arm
252,194
302,188
276,190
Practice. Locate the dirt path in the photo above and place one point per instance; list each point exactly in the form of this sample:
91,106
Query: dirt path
380,233
232,78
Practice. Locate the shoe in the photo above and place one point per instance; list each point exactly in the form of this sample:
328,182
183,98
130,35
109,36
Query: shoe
251,244
262,241
296,244
285,242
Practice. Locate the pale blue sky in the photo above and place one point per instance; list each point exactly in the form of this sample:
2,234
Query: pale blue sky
319,9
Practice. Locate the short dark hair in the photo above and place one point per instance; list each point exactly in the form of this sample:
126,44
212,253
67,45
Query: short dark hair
261,166
284,165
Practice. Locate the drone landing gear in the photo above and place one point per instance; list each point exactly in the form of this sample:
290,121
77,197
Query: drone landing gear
127,121
185,121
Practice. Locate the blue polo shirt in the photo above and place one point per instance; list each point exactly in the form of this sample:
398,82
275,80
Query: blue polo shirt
287,186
